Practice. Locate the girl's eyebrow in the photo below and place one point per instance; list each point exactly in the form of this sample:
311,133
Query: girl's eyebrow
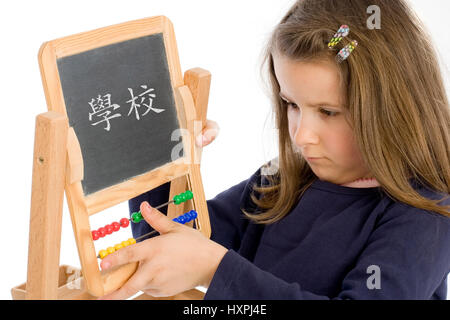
314,105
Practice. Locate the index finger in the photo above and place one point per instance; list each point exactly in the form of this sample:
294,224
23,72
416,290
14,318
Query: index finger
132,253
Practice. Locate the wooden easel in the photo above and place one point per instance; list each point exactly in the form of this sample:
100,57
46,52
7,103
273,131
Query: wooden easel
58,166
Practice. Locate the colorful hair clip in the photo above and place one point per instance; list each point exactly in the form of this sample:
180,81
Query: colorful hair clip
341,33
345,52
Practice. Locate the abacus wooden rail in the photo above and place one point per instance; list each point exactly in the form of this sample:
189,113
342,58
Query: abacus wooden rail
58,166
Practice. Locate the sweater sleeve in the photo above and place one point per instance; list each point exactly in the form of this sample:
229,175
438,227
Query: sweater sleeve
406,257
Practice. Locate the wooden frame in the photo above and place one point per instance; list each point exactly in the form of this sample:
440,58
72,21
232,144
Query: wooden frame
182,173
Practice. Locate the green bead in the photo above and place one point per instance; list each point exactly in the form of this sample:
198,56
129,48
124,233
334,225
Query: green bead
136,217
177,199
183,197
189,195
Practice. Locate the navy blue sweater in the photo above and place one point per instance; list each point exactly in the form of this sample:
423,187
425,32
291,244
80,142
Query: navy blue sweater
337,243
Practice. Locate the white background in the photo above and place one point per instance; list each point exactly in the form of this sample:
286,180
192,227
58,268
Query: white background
224,37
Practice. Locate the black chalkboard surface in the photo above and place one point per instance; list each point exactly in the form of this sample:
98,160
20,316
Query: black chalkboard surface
120,102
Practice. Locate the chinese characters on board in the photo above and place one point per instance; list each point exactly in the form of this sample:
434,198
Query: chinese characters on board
140,103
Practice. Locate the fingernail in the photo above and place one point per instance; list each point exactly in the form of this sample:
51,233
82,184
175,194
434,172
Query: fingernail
206,139
106,265
147,206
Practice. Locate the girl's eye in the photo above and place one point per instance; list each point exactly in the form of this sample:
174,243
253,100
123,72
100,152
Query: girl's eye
291,105
329,113
324,111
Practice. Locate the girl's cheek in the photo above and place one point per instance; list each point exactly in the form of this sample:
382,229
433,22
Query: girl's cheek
349,150
338,145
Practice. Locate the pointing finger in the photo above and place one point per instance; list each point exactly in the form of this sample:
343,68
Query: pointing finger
156,219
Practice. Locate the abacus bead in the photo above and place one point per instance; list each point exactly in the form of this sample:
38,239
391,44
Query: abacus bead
183,197
102,232
125,243
124,222
109,229
181,219
118,246
110,250
189,194
103,253
116,226
175,219
194,214
136,217
132,240
188,216
177,199
95,235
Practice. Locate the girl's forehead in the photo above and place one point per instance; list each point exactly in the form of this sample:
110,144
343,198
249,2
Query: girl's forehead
310,81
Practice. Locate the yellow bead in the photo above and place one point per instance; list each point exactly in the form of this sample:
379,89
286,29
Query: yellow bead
118,246
132,241
103,253
125,243
110,250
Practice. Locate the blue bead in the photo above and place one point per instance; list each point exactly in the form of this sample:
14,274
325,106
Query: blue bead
194,213
175,219
188,216
181,219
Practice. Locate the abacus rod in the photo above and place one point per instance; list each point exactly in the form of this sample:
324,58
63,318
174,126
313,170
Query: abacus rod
146,235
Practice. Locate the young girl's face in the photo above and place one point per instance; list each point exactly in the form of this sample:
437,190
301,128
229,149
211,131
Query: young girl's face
317,119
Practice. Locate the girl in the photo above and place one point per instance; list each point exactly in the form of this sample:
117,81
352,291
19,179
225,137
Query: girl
357,206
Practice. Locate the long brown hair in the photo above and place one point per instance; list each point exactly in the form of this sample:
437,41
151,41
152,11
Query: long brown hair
398,108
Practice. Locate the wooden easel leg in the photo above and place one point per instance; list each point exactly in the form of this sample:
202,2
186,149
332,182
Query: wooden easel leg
198,81
49,164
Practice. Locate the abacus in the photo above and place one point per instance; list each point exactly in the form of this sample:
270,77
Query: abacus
136,217
58,169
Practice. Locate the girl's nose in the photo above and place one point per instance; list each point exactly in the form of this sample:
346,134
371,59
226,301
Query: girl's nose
306,131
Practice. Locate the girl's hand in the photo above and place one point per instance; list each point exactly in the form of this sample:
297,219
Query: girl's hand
209,132
179,259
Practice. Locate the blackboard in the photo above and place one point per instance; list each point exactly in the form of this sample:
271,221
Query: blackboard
120,102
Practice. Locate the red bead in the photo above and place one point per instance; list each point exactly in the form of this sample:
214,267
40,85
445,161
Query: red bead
116,226
102,232
124,222
95,235
109,229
